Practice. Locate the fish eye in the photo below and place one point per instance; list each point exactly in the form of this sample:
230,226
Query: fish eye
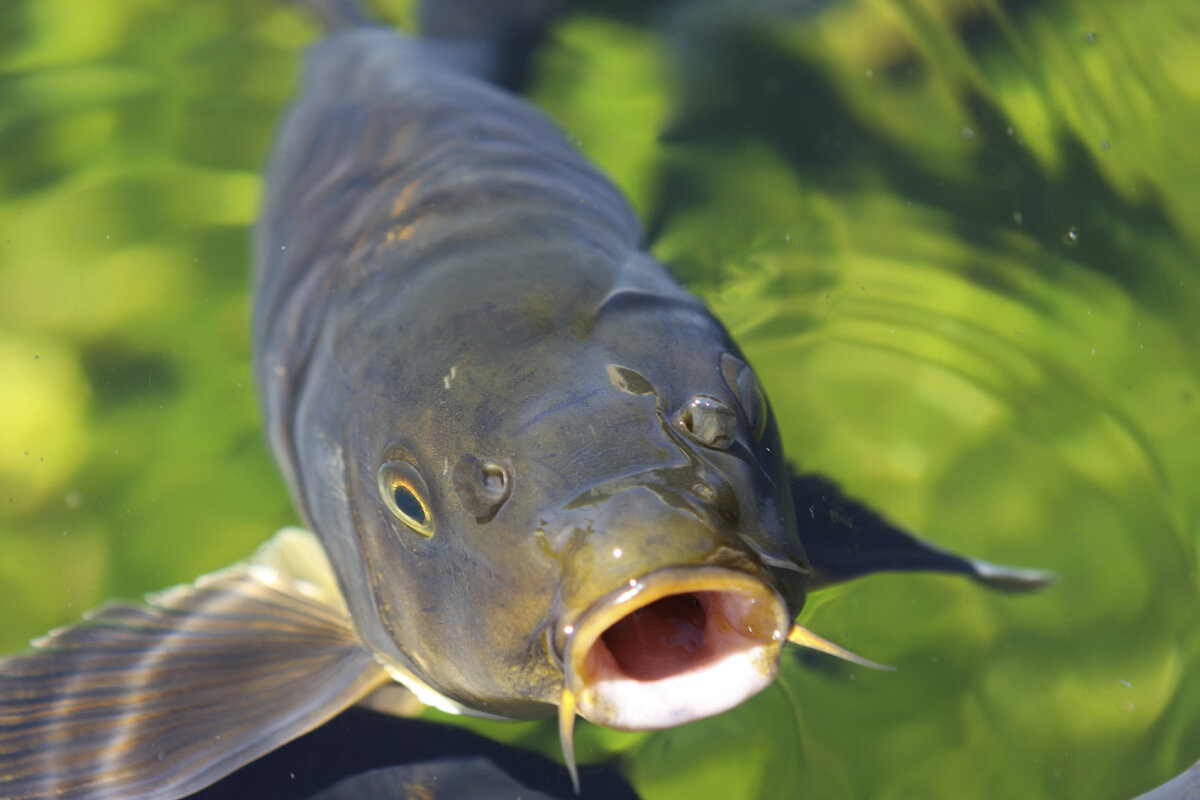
740,379
404,494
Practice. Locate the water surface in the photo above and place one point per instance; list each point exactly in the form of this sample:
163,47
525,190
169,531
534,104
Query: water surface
959,241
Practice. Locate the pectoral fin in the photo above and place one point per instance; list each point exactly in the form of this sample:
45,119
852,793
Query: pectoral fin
160,700
846,540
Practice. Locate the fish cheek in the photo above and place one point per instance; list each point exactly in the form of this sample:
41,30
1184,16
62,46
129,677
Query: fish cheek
461,608
480,606
504,598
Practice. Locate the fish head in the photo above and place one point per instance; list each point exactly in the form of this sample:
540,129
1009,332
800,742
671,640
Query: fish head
555,502
679,574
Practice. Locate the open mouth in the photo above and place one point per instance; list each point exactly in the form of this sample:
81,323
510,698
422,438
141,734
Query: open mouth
674,646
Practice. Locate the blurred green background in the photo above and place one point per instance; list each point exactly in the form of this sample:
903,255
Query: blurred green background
959,241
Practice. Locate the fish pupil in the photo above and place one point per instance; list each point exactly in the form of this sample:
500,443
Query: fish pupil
408,504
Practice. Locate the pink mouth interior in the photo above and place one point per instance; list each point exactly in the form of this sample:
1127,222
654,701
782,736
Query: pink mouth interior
672,635
678,646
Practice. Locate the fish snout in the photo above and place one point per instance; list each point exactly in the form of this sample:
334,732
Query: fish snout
635,531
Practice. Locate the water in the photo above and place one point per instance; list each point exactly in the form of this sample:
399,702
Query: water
959,242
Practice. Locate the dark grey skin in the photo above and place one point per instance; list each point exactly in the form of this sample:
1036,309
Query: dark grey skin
420,222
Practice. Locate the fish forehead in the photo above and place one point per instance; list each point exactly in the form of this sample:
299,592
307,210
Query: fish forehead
519,361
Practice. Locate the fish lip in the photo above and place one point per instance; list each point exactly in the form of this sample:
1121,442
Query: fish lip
745,618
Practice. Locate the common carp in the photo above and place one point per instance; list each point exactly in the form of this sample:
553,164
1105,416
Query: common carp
542,478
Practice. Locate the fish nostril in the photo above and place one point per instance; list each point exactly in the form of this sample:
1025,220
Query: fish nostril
708,421
483,486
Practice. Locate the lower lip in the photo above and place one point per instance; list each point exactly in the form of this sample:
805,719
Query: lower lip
691,643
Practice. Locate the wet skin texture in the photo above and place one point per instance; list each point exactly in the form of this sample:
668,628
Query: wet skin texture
447,288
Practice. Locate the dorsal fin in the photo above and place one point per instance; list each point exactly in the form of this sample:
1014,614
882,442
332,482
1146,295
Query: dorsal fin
157,701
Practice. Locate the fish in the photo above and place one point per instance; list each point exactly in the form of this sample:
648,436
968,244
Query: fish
537,477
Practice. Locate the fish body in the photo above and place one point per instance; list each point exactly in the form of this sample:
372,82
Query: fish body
445,282
542,477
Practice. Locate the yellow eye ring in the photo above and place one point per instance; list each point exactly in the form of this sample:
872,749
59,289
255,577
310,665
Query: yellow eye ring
404,492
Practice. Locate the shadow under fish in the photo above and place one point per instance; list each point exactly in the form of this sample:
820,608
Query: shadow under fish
452,779
541,478
365,754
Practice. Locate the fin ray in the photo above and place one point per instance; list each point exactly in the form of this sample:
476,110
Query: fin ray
157,701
